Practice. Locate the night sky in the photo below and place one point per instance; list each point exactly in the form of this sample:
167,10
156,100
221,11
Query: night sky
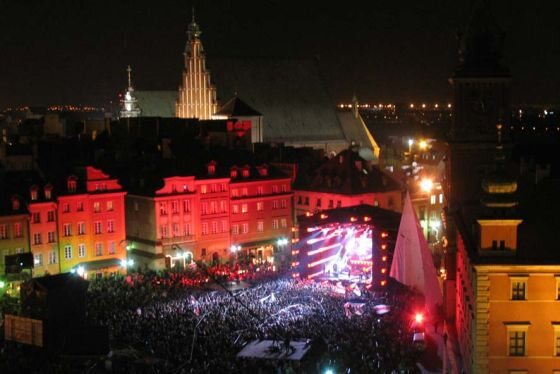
76,51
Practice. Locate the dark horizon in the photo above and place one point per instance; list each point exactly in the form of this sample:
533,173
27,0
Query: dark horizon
76,52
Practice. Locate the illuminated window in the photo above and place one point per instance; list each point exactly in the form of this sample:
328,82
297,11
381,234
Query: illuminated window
260,225
67,252
203,189
112,248
441,198
283,223
186,206
214,227
51,237
188,229
67,229
224,225
235,229
275,224
260,206
96,207
235,209
38,259
81,228
283,203
18,233
98,227
275,204
260,190
3,232
65,208
81,250
80,206
99,249
244,208
518,288
244,228
34,192
164,231
235,192
37,238
52,257
433,199
204,228
212,207
110,225
244,191
275,189
162,209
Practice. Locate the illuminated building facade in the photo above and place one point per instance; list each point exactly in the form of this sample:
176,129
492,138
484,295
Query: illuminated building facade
197,95
216,215
14,233
91,224
129,106
345,180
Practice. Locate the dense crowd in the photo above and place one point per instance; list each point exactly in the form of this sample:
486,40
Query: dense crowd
175,323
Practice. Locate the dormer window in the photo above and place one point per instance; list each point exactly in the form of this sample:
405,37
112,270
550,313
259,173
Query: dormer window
15,203
245,172
212,168
34,193
72,184
48,191
233,173
263,171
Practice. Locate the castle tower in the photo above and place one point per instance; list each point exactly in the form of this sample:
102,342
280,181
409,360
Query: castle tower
129,105
197,95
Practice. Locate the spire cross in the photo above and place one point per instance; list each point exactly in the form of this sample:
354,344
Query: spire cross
129,71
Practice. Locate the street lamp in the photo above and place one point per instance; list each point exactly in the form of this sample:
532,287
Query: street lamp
410,143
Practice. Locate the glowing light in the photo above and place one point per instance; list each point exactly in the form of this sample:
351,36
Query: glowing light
321,261
423,106
426,185
234,248
384,246
323,216
2,284
282,241
411,106
383,283
367,218
329,371
314,274
410,142
384,258
384,234
423,144
418,318
383,271
353,219
80,271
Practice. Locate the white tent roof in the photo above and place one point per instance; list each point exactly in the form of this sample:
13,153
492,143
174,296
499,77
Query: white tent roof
412,260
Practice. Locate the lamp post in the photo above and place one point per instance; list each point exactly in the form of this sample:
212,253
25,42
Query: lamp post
410,143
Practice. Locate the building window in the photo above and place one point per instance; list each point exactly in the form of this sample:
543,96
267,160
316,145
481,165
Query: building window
245,172
234,192
164,231
331,204
36,217
275,189
284,188
67,252
275,204
339,204
244,228
34,193
260,225
284,203
260,190
203,189
223,206
80,206
223,186
204,208
81,228
260,206
72,184
3,232
50,216
52,257
112,248
162,209
37,238
235,229
233,173
96,207
432,199
38,259
67,229
186,206
318,202
516,343
213,187
212,207
81,250
557,287
441,198
244,208
65,208
300,200
99,249
188,229
224,225
110,205
214,227
283,223
244,191
205,228
518,288
98,226
111,225
556,327
175,207
51,237
235,209
275,224
19,250
307,201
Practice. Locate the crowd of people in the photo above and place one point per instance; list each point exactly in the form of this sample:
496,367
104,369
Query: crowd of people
176,323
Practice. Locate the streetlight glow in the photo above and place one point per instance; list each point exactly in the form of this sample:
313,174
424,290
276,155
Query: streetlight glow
426,185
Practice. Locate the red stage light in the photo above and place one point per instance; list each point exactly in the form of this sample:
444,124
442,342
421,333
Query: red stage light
383,246
383,283
418,318
353,219
384,234
367,219
384,258
323,216
383,271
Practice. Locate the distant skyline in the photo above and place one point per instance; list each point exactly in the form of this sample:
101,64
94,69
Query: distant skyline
76,52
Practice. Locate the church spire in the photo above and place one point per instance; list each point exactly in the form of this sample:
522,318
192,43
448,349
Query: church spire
129,72
193,31
129,105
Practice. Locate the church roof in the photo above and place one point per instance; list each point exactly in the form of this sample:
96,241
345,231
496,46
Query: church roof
237,108
156,103
289,93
